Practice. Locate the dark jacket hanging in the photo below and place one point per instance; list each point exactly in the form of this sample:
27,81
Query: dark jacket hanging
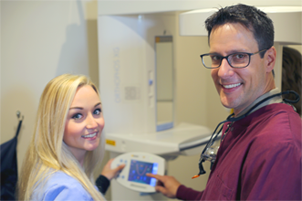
9,168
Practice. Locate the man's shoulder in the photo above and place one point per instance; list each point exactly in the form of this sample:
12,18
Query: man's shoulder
278,115
277,126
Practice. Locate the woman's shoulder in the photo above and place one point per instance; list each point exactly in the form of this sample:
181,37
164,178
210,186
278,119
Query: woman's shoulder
61,186
60,177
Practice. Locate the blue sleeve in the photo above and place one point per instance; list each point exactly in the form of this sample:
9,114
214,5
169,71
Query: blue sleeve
67,192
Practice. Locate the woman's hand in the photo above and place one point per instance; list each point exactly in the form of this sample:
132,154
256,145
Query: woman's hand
111,173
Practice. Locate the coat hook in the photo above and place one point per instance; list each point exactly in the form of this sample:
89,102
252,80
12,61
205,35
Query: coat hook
19,114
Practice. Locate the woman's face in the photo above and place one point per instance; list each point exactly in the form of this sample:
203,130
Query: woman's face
84,123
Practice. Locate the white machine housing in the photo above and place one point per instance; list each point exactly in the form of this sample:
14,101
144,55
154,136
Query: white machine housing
127,86
127,90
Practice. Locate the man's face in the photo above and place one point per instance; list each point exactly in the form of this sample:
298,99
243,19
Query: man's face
238,88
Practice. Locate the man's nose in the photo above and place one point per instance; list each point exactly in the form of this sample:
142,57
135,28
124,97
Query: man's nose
225,70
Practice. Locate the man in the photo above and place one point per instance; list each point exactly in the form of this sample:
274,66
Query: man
259,157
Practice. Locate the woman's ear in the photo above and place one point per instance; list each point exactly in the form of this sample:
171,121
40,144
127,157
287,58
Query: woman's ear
270,57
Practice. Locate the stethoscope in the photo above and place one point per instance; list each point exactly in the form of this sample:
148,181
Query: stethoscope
209,152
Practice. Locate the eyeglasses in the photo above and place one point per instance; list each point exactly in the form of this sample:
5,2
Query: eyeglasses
235,60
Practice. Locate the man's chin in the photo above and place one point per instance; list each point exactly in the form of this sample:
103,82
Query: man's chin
226,103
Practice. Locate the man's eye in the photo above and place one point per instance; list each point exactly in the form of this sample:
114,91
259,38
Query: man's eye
240,56
97,111
77,116
215,58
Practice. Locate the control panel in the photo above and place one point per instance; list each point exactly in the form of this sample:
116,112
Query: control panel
137,164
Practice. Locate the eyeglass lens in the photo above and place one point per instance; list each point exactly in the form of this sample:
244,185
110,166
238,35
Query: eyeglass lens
236,60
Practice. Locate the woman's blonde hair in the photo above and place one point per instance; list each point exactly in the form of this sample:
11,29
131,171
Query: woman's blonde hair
47,152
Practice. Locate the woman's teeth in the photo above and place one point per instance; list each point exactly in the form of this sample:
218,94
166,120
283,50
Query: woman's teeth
89,135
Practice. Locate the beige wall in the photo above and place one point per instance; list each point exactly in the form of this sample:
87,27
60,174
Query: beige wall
297,47
40,40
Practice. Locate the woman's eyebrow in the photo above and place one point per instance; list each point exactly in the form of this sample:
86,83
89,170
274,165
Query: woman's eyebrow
81,108
77,108
97,104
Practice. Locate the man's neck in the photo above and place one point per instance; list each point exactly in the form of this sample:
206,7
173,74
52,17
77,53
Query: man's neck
277,99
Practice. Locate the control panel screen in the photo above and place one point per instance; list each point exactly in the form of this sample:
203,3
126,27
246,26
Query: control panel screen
138,170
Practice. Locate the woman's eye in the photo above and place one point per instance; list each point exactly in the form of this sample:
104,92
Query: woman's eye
77,116
97,111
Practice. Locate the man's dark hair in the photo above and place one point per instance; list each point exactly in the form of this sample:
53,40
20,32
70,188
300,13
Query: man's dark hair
250,17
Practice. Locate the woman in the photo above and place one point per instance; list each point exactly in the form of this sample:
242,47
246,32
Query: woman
67,143
292,74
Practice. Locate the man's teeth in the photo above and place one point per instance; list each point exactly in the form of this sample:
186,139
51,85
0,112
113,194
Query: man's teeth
89,135
231,85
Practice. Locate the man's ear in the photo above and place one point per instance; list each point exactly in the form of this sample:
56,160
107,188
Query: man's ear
270,57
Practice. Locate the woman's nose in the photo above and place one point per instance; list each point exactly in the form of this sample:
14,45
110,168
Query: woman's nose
91,122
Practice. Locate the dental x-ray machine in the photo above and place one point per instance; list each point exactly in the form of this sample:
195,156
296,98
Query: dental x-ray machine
137,93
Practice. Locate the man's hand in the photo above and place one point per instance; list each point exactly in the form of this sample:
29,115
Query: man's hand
111,173
167,185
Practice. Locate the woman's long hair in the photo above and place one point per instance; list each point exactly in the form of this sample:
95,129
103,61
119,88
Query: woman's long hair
47,153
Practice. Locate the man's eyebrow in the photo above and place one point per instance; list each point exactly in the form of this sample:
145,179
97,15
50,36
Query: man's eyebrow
230,52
